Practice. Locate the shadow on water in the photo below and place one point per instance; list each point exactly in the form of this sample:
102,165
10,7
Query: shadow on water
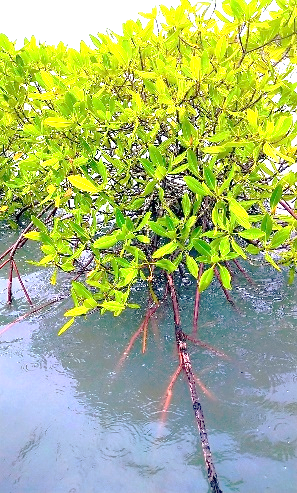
70,424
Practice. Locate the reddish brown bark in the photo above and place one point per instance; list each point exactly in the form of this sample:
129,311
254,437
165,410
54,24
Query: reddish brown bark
187,366
288,208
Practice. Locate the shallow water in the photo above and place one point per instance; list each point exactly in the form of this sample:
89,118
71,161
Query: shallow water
71,424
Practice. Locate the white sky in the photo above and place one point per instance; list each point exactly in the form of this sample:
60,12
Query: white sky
69,21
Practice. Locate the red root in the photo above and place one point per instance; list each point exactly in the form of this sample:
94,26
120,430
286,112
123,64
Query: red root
208,347
21,283
142,326
205,390
244,273
168,393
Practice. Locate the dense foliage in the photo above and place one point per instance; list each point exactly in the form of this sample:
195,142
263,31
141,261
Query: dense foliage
167,146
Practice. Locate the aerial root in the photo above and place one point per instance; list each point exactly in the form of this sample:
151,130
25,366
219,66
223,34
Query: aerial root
226,292
208,347
168,393
143,326
31,312
21,283
144,337
244,273
204,389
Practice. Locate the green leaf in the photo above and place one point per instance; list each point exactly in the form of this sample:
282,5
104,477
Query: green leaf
202,247
209,178
33,235
113,306
167,265
225,277
240,213
228,180
186,204
148,166
266,225
224,246
252,249
76,311
252,234
276,196
81,290
120,218
143,239
156,156
79,230
195,186
192,162
165,249
82,183
66,326
237,248
280,237
206,279
144,221
291,275
192,266
271,261
156,228
57,122
107,241
39,224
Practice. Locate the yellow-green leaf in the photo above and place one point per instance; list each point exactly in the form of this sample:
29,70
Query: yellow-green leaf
66,326
165,249
82,183
57,122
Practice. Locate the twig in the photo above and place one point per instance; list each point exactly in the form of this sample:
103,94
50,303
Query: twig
288,208
4,263
144,338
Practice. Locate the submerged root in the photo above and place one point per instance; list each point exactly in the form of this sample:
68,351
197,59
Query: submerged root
207,346
205,390
168,393
142,327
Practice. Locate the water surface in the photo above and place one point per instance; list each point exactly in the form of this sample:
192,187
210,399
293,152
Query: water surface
70,424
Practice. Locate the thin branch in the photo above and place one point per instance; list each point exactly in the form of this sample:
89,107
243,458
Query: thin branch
288,208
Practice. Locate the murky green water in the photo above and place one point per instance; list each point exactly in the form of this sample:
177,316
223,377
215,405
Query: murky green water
69,424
